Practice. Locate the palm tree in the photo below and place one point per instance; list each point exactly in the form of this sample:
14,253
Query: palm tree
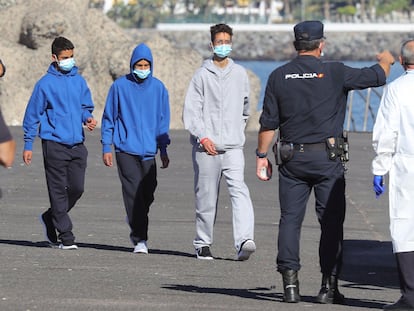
362,11
327,10
287,10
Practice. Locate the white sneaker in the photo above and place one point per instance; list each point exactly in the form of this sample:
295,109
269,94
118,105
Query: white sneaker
68,247
246,249
141,247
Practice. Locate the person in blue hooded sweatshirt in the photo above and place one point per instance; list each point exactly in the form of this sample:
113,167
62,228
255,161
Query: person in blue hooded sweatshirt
60,104
136,122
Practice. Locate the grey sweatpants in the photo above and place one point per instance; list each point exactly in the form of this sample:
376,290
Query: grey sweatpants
208,171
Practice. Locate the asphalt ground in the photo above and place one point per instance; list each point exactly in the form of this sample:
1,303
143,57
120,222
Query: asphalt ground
104,274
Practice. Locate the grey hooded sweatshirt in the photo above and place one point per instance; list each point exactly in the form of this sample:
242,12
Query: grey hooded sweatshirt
217,105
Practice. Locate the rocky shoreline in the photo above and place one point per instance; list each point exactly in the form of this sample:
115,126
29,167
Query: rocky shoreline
267,45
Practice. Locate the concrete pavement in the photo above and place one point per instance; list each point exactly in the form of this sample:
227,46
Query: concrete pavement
104,274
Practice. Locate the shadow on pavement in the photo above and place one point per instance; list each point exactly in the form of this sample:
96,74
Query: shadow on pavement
364,303
45,244
368,266
41,244
266,294
369,263
256,293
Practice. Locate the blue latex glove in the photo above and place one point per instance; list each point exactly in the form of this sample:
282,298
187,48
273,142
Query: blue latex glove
379,186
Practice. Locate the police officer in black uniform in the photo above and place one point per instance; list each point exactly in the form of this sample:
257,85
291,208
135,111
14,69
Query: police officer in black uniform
305,100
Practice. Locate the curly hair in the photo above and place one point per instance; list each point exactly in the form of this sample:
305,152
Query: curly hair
220,28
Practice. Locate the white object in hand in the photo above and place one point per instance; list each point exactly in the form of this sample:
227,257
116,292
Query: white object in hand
263,172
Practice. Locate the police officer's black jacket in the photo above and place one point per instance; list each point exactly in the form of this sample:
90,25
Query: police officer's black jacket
307,98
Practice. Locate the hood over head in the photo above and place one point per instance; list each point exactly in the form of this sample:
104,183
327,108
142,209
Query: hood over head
141,51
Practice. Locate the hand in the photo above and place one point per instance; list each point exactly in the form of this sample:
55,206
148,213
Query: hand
91,123
263,163
7,153
379,186
209,146
165,160
386,56
27,156
107,159
385,60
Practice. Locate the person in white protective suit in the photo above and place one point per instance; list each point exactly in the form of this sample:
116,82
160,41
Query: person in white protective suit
393,143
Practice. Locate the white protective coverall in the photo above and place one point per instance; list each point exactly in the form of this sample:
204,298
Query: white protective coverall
393,142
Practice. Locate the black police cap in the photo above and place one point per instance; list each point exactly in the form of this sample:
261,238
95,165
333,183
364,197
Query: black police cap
308,31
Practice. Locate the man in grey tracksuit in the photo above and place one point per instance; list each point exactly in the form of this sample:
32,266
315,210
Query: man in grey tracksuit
215,113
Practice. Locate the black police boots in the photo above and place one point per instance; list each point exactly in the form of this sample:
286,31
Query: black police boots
329,292
290,286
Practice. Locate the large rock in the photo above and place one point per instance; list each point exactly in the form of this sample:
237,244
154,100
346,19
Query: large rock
102,52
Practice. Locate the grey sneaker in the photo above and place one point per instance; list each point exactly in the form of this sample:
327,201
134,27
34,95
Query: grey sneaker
246,249
204,253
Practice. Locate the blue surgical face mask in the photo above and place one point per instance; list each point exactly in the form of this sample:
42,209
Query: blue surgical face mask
223,50
142,74
66,64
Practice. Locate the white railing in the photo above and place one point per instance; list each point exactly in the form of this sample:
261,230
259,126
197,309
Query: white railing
361,119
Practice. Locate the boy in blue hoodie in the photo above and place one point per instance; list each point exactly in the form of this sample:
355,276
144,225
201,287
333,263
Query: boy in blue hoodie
60,104
136,121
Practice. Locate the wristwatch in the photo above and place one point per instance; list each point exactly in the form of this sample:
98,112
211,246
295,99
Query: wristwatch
261,155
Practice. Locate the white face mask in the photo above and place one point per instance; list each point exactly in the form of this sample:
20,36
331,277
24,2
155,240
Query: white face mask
142,74
322,48
223,50
66,64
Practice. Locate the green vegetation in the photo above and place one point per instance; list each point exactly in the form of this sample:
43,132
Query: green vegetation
347,10
396,5
144,14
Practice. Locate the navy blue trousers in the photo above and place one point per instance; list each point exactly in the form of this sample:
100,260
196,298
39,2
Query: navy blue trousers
139,181
65,168
307,171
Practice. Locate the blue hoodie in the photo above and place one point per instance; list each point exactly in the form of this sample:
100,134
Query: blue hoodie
60,103
136,118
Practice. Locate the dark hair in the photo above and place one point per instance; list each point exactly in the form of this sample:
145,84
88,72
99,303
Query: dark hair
407,52
61,44
220,28
307,45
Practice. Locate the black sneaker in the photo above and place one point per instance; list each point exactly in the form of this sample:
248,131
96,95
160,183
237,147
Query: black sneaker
204,253
48,227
